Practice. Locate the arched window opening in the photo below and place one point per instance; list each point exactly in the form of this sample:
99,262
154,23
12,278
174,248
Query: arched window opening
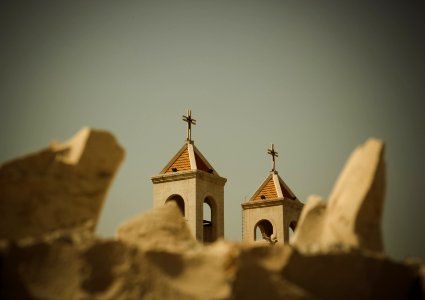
264,231
210,234
179,201
291,230
207,214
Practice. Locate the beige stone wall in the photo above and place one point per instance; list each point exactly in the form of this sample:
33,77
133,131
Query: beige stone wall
185,188
194,187
214,190
292,211
278,212
252,216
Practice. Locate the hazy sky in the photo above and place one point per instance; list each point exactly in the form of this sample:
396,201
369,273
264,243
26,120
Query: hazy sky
315,79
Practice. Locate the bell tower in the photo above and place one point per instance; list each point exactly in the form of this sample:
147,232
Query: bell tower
191,181
273,210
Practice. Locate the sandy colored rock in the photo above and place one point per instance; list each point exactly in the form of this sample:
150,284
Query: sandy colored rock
162,228
353,214
58,187
113,269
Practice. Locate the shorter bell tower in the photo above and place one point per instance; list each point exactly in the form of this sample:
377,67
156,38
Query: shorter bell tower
273,210
191,181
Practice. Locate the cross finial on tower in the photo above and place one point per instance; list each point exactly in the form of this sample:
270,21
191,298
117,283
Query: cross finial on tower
274,154
189,121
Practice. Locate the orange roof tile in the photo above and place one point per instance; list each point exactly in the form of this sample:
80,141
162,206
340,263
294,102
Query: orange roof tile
268,191
188,158
182,163
273,187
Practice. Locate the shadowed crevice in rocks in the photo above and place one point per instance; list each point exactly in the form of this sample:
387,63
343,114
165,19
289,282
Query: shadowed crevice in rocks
101,260
171,264
349,275
258,276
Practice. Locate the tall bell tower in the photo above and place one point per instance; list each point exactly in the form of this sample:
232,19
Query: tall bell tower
272,211
196,187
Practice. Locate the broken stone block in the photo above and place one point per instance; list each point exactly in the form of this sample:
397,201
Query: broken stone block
162,228
352,216
58,187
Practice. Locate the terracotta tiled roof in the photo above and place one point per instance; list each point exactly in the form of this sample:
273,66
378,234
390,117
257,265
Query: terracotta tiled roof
268,191
188,158
273,187
182,163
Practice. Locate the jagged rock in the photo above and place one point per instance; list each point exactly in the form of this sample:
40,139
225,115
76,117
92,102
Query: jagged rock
162,228
59,187
352,217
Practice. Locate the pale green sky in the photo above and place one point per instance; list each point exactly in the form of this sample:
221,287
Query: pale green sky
316,80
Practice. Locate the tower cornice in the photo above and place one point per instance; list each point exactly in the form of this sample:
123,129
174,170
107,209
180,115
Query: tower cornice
184,175
273,202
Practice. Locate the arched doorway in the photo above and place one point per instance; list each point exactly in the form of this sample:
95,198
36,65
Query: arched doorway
209,220
263,230
179,201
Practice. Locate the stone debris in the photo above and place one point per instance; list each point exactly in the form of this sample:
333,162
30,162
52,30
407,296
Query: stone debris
58,187
154,255
352,216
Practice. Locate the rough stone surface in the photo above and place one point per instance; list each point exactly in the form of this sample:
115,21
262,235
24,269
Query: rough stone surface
58,187
112,269
352,216
163,228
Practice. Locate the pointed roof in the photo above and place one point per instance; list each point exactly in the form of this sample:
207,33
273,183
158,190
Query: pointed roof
273,187
188,158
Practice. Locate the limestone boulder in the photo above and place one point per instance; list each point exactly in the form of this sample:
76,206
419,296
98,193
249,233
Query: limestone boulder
58,187
352,216
161,228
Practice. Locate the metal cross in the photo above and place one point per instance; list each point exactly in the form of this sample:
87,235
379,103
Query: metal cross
189,121
273,154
